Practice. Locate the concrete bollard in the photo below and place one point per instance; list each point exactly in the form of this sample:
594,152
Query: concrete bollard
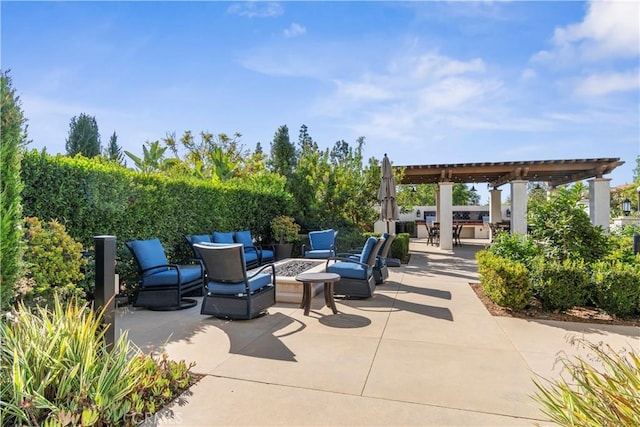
105,247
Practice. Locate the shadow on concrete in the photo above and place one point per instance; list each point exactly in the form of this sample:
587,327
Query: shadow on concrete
345,321
267,345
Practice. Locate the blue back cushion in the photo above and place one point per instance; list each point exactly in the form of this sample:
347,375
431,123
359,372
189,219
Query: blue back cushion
366,250
322,239
220,237
149,253
243,237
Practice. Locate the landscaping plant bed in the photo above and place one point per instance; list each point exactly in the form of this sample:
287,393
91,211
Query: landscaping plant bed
535,311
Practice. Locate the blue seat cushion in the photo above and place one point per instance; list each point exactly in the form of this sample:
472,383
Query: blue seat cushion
243,237
323,253
188,273
250,257
267,254
324,239
350,270
258,282
223,237
149,254
366,250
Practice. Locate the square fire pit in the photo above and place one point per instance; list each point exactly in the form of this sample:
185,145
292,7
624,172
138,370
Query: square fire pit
287,288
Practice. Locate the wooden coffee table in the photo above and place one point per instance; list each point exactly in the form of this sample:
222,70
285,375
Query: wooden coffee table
308,279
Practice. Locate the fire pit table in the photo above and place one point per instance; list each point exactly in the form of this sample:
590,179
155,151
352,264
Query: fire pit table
287,288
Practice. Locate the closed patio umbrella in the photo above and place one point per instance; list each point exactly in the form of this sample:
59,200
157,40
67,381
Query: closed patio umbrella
387,194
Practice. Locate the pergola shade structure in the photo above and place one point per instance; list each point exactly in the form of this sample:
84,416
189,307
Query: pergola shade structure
551,172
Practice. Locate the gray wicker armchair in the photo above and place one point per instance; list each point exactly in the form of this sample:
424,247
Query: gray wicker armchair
230,293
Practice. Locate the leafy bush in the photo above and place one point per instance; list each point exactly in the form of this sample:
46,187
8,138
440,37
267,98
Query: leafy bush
57,369
564,228
561,285
517,247
54,260
504,281
400,246
604,391
617,287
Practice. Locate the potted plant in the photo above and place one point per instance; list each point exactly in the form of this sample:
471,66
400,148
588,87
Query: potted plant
285,231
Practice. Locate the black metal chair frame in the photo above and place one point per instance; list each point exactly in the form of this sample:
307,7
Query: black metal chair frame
224,263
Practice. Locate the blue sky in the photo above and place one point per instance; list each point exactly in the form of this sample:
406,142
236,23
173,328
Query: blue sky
426,82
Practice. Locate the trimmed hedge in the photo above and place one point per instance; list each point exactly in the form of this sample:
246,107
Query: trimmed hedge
617,287
504,281
561,285
95,197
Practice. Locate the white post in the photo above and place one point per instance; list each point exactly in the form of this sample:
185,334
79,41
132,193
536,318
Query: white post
599,202
519,199
445,215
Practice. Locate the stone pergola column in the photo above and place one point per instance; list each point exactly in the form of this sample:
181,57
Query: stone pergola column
519,199
495,207
445,215
600,202
438,203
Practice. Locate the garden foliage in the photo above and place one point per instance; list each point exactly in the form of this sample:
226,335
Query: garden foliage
12,140
604,389
57,370
53,261
503,280
568,261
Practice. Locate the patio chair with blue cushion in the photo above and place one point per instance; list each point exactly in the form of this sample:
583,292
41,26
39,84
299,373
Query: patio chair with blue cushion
251,254
356,275
265,256
380,269
198,238
322,244
162,286
230,293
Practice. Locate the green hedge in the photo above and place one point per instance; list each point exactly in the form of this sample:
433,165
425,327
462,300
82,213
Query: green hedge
561,285
504,281
400,246
92,197
617,287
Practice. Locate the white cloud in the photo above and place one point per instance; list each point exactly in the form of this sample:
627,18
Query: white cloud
294,30
610,29
256,9
603,84
528,74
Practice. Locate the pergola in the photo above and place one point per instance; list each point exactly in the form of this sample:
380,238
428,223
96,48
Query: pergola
518,174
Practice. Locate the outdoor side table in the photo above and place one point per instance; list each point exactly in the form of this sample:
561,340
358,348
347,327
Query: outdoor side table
307,279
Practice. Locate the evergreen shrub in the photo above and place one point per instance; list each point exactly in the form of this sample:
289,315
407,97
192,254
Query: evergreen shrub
504,281
561,285
53,260
617,287
400,246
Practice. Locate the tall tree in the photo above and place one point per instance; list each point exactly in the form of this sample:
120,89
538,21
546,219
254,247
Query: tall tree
13,138
84,137
114,151
283,153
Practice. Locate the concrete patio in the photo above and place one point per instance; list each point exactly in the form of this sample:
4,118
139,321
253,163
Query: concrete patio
422,351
